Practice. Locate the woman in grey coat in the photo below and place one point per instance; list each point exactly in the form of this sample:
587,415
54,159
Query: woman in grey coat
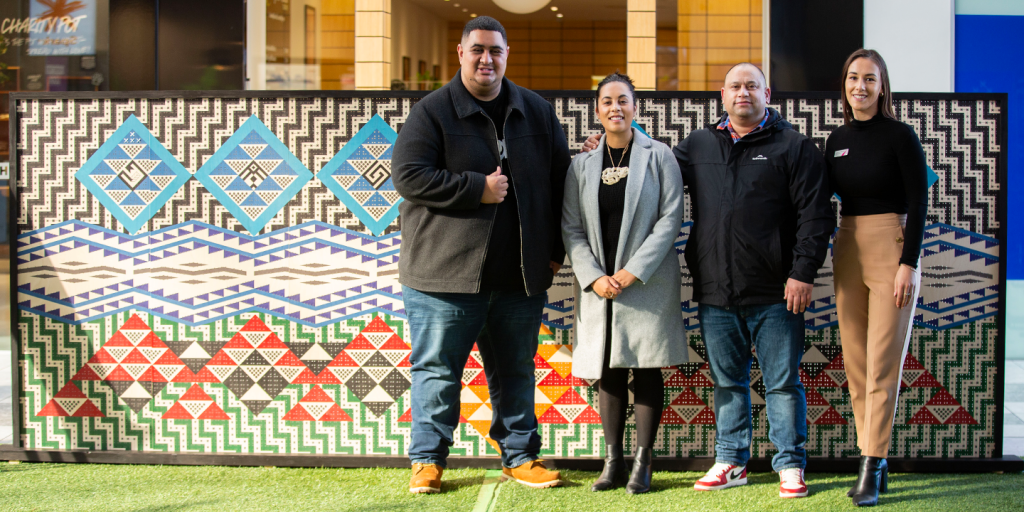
622,211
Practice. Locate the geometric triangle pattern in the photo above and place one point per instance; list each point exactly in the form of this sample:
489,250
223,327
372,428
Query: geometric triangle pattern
317,406
132,175
195,404
374,367
255,366
253,175
134,362
360,175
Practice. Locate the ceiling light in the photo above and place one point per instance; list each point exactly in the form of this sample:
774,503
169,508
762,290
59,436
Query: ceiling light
521,6
553,8
472,15
465,10
559,15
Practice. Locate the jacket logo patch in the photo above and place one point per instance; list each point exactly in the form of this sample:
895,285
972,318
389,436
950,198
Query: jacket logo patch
502,150
842,152
759,157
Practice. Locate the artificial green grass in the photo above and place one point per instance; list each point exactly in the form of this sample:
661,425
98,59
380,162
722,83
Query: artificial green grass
674,491
110,488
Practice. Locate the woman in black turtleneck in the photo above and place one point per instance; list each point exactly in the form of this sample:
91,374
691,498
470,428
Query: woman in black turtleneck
877,168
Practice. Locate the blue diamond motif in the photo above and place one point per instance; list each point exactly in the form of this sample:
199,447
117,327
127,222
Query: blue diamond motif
132,175
253,175
360,175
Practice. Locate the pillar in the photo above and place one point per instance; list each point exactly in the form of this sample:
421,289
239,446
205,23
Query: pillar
373,44
641,35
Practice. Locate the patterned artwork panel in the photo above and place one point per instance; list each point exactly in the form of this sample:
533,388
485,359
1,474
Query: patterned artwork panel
220,276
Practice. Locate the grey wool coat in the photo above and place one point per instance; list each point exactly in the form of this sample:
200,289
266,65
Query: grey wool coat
647,321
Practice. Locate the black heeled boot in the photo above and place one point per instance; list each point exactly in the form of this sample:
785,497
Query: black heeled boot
614,473
640,477
872,479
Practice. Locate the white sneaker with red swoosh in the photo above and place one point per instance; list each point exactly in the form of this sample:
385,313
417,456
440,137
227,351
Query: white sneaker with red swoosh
792,483
722,476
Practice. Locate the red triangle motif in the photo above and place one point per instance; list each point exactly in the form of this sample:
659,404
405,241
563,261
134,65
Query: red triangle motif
152,375
942,398
316,394
406,417
170,359
360,343
52,409
589,415
405,363
671,417
86,373
177,412
272,341
377,325
831,417
395,343
479,380
307,377
552,416
214,412
911,363
135,357
553,379
238,341
705,417
680,380
344,360
102,357
196,394
185,376
254,324
298,413
926,380
205,375
538,363
152,340
88,410
119,375
924,417
688,397
221,358
961,417
288,359
335,413
134,324
570,397
118,340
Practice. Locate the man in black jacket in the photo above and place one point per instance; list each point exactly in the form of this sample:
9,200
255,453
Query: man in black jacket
481,165
761,226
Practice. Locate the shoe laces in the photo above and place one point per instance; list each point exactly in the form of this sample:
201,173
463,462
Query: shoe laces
793,476
718,470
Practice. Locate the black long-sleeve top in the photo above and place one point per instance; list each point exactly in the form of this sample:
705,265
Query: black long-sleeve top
611,200
878,166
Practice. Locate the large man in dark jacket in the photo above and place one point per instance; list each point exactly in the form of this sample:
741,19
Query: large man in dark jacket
481,165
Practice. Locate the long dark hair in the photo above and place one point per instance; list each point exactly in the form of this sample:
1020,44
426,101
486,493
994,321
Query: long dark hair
884,96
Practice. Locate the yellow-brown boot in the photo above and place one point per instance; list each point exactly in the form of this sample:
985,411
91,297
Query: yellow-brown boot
533,474
426,478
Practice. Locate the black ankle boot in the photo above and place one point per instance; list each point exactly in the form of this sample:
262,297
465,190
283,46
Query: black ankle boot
640,477
872,479
614,473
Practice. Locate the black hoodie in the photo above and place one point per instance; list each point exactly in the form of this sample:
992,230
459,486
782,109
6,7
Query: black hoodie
761,212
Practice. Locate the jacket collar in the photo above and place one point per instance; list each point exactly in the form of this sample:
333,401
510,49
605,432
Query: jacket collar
775,122
638,163
465,103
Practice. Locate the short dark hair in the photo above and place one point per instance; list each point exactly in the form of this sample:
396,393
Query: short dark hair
885,95
751,64
485,23
617,77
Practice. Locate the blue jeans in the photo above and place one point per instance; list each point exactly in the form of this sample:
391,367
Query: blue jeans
778,337
444,326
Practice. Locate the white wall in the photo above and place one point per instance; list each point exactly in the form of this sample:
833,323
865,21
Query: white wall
916,38
420,35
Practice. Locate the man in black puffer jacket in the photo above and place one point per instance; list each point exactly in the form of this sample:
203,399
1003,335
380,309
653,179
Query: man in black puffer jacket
481,165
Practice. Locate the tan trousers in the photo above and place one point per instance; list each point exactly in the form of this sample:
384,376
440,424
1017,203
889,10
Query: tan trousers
874,332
